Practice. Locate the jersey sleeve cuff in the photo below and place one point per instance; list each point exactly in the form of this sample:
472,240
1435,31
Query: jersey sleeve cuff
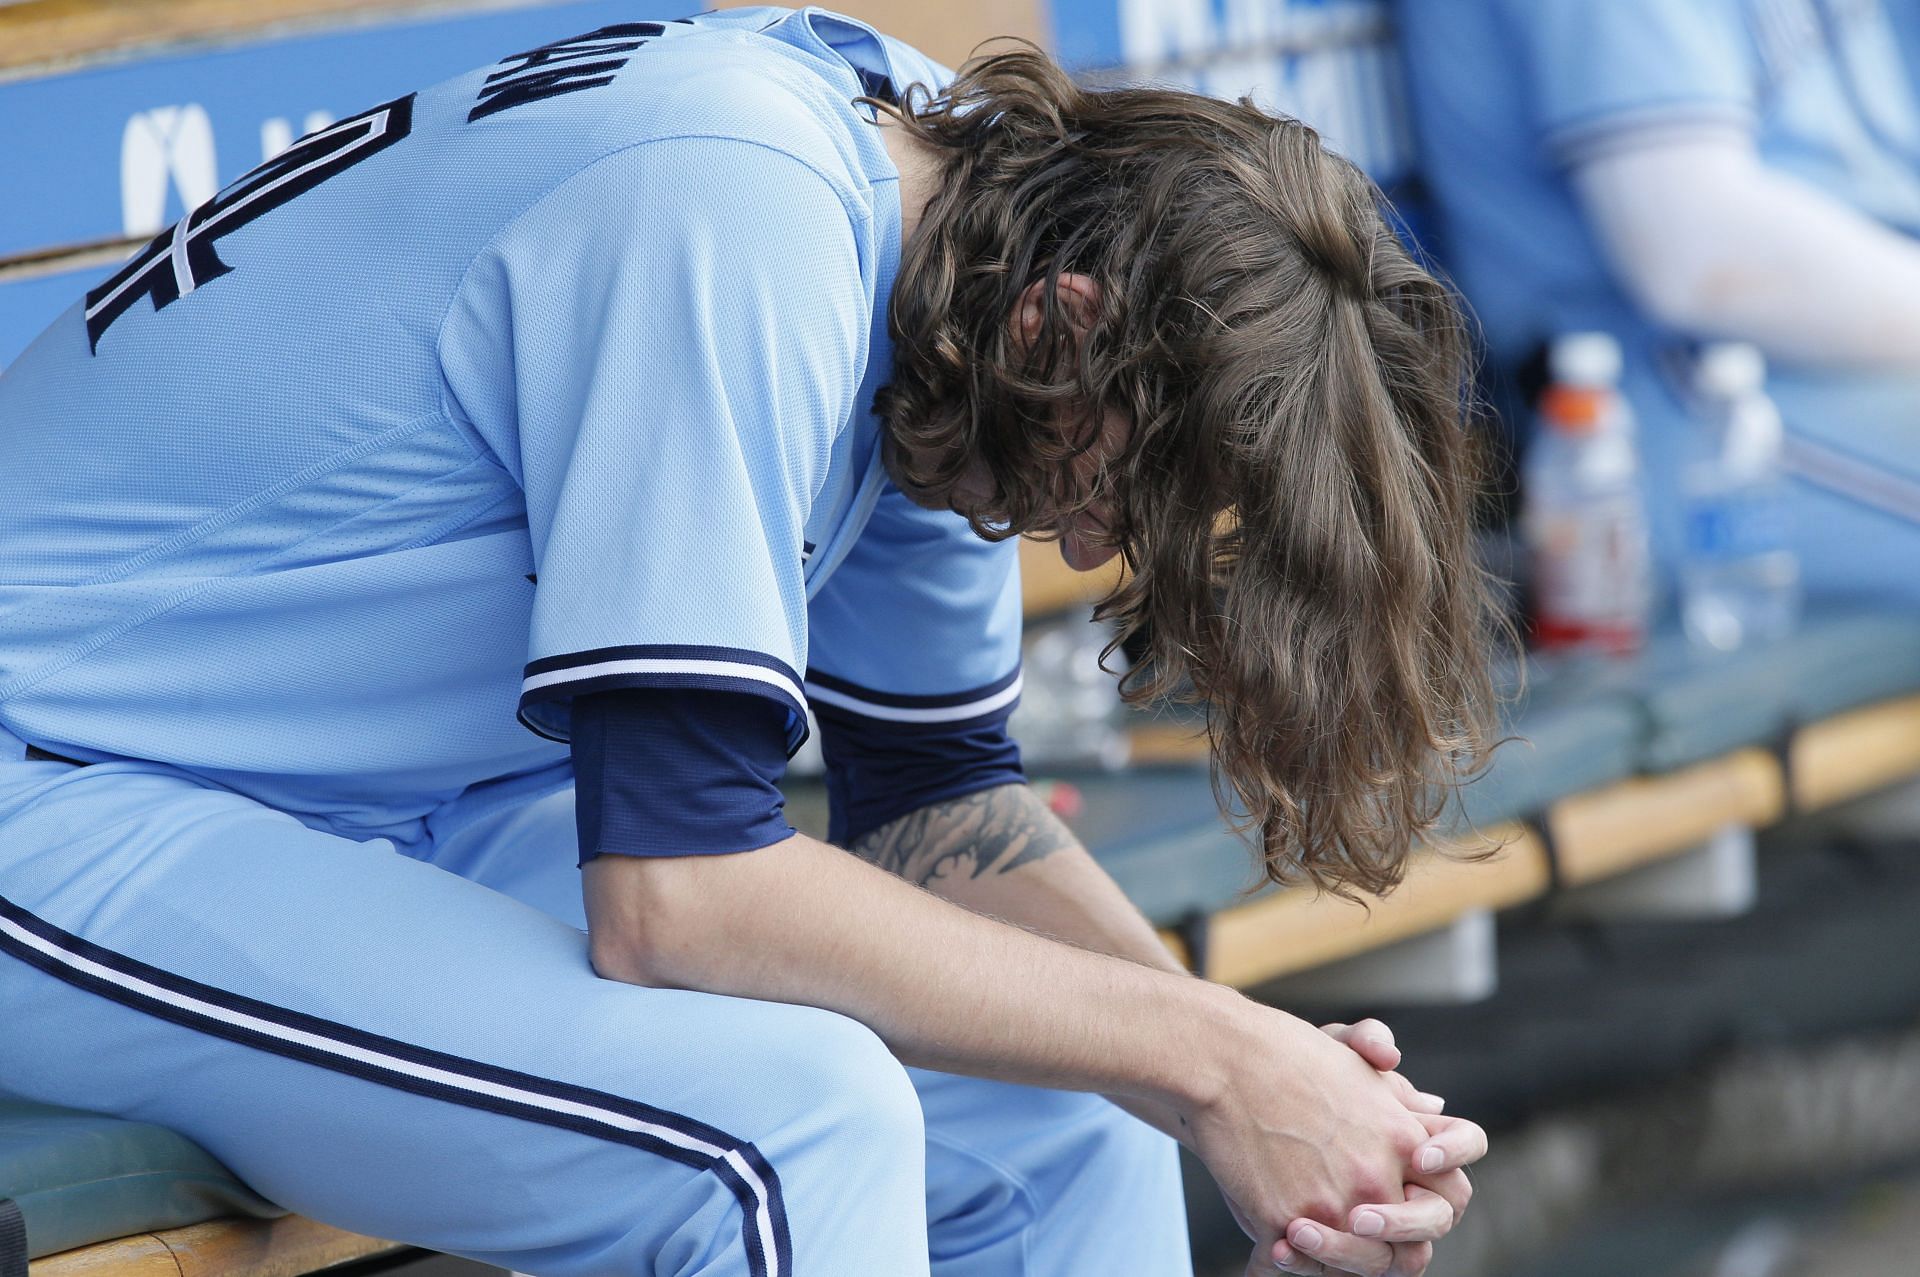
675,772
842,701
1580,141
550,683
898,754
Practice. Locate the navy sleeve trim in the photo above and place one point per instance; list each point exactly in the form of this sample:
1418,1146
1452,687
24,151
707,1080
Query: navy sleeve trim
554,679
672,772
859,820
946,710
878,772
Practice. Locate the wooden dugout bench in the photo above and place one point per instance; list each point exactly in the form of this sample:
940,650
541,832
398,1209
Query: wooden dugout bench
1619,771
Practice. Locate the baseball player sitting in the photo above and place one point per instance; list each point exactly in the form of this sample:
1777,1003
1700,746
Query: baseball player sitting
463,509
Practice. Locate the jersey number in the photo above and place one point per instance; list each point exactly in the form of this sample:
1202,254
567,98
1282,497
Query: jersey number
183,257
565,66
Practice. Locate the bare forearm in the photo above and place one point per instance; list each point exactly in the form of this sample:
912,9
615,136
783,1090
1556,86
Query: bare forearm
1291,1122
1714,242
1001,852
945,988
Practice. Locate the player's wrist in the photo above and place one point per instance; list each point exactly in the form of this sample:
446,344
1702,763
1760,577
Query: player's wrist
1213,1040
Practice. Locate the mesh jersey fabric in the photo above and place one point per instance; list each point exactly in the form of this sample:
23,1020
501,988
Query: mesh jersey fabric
554,377
668,771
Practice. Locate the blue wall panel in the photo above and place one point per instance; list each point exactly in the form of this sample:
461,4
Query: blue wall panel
79,150
1332,63
121,150
1086,33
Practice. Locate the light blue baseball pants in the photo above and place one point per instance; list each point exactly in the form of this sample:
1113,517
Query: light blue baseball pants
405,1039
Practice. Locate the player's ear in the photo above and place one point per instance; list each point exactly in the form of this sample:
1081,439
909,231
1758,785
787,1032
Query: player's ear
1079,300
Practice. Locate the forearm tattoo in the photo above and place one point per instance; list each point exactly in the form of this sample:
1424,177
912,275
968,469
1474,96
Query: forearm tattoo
994,830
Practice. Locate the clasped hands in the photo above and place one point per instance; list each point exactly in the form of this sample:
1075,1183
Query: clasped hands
1388,1228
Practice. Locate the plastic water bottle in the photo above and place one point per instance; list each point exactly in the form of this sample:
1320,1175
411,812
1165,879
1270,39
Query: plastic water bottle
1739,577
1584,516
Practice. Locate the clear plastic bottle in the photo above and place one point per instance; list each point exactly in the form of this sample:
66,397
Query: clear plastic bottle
1584,516
1739,577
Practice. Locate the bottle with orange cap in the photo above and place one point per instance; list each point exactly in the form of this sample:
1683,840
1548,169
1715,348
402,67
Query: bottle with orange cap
1584,515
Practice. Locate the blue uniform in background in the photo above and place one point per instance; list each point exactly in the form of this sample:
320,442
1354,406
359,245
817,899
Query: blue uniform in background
550,382
1905,17
1510,95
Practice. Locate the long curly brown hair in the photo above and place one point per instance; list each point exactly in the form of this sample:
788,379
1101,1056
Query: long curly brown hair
1294,498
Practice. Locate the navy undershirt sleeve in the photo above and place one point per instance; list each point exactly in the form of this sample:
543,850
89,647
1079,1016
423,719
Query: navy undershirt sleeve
878,772
678,772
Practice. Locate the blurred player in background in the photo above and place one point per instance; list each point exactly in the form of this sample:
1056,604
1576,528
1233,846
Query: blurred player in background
550,391
1726,169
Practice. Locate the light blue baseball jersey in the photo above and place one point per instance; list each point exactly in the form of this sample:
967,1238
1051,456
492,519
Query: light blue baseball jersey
553,378
1905,17
1509,95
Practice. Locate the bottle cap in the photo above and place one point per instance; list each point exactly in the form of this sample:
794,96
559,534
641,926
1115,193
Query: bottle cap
1586,359
1574,410
1728,368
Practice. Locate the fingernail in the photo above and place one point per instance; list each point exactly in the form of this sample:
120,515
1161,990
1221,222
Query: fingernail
1430,1159
1374,1039
1307,1238
1428,1097
1282,1257
1368,1223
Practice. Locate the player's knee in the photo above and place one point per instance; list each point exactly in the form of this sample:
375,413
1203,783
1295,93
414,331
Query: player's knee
847,1081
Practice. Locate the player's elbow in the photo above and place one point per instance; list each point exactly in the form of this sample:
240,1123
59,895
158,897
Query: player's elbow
648,919
647,956
1708,297
1687,229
